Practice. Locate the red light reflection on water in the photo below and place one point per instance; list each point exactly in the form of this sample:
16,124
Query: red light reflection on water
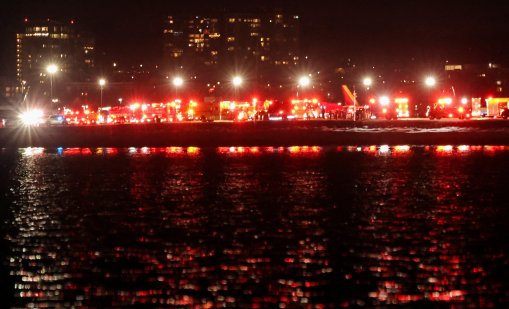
407,249
447,150
293,150
77,151
304,150
491,150
431,249
382,150
169,151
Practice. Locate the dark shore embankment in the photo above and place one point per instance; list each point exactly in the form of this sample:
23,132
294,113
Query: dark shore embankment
285,133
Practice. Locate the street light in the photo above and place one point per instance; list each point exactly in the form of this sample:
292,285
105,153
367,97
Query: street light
51,69
102,83
430,81
177,82
304,81
237,82
367,82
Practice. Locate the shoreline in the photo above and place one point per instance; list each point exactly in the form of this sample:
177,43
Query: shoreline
286,133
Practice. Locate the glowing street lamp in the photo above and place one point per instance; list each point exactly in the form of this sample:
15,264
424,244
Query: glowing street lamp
52,70
237,82
304,81
367,82
177,83
430,81
102,83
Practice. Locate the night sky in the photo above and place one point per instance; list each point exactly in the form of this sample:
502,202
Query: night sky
369,32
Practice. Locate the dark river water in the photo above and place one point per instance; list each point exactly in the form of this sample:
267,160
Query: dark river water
255,227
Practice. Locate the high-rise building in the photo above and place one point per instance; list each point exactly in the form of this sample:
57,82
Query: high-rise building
174,41
283,39
244,38
51,42
204,39
264,41
192,41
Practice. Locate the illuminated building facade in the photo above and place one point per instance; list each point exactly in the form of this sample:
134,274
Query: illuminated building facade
272,39
244,38
192,41
284,36
174,41
265,41
51,42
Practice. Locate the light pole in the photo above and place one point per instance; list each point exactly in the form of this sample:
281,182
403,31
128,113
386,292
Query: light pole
51,69
367,82
354,104
304,81
237,82
430,83
102,83
177,82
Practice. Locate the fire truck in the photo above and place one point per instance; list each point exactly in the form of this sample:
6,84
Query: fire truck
449,108
160,112
237,111
393,108
306,109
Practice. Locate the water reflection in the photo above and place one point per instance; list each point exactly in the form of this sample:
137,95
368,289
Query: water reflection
257,226
373,150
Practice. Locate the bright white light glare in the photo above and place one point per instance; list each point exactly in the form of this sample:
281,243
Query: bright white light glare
102,82
32,117
384,101
237,81
51,69
367,81
447,101
304,81
430,81
178,81
384,148
464,101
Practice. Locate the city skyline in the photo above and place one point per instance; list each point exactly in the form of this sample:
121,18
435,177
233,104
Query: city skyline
375,32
